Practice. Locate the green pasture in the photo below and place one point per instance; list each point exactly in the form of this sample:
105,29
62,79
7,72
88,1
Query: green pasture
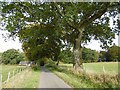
9,68
26,79
98,68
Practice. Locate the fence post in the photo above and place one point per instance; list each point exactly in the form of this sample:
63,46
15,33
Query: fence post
103,69
20,69
104,75
8,77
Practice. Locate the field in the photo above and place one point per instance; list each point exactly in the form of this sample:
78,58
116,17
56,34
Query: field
9,68
99,68
95,76
28,78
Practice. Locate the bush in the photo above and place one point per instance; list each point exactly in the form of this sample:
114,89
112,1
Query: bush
36,67
12,56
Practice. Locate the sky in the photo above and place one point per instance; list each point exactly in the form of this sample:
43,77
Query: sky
9,44
94,45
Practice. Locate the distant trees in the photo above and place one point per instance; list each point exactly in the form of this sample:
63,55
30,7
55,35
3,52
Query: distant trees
66,56
102,56
11,56
90,55
112,54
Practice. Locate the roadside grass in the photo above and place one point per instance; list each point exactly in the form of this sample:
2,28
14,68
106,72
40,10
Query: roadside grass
110,68
9,68
32,80
26,79
83,79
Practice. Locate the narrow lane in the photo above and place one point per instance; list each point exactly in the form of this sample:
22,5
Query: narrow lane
50,80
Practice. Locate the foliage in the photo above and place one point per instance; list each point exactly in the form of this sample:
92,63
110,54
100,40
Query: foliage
102,56
12,56
66,56
75,22
113,53
36,67
0,54
90,55
46,43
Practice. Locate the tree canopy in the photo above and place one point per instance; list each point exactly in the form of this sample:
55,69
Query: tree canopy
113,53
76,22
36,45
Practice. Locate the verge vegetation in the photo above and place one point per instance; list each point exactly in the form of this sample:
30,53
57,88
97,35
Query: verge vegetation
26,79
85,80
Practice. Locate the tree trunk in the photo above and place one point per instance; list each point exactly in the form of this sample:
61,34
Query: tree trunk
77,51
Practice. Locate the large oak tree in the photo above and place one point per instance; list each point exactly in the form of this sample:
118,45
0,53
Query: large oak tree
78,22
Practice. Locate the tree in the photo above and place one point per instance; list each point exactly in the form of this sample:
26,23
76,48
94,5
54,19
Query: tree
78,22
66,56
11,56
103,56
36,45
113,53
89,55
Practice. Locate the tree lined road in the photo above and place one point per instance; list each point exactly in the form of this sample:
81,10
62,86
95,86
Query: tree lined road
50,80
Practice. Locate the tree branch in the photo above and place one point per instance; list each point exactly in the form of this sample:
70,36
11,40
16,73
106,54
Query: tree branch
98,14
68,21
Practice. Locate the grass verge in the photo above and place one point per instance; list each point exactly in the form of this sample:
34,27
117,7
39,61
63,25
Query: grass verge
84,80
26,79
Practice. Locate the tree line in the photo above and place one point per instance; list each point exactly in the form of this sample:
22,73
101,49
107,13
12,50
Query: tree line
110,55
13,56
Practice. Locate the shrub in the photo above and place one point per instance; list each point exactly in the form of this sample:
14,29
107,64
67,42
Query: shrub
36,67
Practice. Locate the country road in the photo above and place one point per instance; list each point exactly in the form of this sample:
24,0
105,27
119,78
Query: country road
50,80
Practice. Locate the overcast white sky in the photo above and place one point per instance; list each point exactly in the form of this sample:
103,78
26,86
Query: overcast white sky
95,45
9,44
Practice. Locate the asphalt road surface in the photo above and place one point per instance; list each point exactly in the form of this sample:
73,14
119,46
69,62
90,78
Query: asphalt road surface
50,80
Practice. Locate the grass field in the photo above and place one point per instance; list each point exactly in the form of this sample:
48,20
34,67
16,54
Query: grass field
94,78
26,79
9,68
99,68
